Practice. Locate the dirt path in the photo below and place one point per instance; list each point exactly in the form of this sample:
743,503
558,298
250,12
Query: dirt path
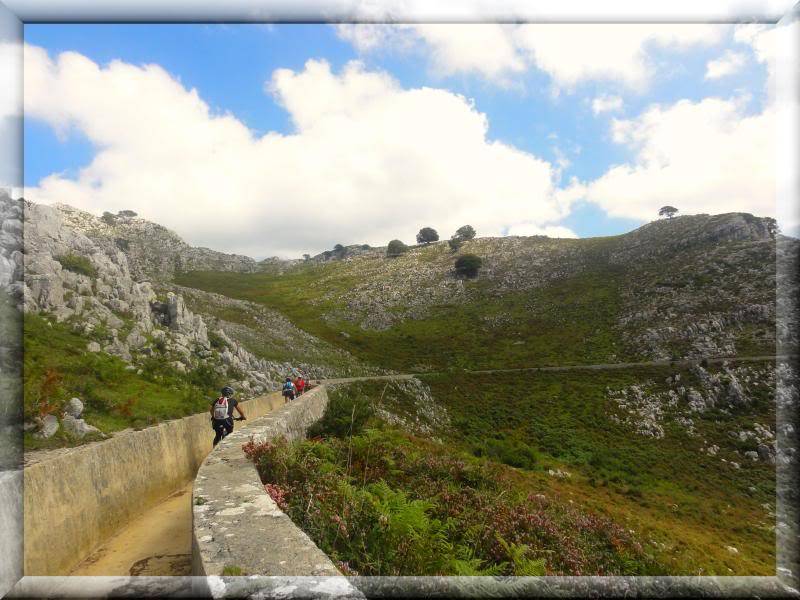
159,542
595,367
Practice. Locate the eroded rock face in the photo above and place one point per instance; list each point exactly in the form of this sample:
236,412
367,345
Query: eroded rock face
78,274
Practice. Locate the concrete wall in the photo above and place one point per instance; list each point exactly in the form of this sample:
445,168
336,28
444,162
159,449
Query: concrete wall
235,522
74,502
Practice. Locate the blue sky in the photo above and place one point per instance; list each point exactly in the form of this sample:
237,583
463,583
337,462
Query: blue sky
534,109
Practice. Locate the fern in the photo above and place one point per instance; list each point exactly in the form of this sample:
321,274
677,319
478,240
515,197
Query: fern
523,566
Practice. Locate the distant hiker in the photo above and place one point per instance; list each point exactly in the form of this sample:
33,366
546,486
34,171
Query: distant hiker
288,389
300,385
222,413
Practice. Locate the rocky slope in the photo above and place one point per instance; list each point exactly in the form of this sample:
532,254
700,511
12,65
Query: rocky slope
152,251
692,286
78,272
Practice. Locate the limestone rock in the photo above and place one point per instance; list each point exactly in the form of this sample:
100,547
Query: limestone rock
77,427
74,408
48,427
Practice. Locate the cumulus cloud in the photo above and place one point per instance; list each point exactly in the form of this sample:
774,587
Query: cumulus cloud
569,53
728,64
713,155
707,156
553,231
368,160
606,103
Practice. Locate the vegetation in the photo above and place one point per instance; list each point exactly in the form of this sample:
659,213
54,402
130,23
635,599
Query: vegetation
385,503
396,248
465,232
687,504
468,265
427,235
58,367
455,243
667,211
77,264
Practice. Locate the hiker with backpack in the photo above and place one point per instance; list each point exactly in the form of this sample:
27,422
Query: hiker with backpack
300,384
222,413
288,389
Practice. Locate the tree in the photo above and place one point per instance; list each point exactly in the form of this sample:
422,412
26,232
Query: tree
455,243
395,248
306,257
667,211
467,232
427,235
109,218
468,265
128,214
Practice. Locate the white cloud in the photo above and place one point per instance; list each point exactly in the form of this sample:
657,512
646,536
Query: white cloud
553,231
728,64
570,53
606,103
705,156
369,160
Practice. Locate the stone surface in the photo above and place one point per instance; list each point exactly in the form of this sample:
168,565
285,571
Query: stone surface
228,495
48,427
74,407
77,427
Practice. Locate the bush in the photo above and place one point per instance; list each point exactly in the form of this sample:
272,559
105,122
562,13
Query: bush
455,243
77,264
345,415
396,248
467,232
128,214
427,235
468,265
109,218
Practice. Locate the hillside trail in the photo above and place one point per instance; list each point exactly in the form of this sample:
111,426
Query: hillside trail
593,367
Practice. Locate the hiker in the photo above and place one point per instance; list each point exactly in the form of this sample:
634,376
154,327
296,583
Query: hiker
288,389
222,413
300,384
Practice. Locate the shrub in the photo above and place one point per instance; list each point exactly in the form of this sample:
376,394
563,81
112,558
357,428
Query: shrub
468,265
109,218
77,264
216,340
128,214
427,235
467,232
122,244
455,243
396,248
345,415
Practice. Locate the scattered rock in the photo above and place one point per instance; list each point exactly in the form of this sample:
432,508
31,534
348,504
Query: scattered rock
77,427
48,427
732,549
93,347
74,408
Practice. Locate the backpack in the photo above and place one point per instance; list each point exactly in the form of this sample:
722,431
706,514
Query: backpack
221,408
287,386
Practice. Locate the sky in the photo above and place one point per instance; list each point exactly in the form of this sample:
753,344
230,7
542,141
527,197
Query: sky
279,140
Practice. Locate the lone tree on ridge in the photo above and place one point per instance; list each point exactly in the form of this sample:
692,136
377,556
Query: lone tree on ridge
427,235
667,211
466,232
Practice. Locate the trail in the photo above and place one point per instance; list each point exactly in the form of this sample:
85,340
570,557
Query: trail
593,367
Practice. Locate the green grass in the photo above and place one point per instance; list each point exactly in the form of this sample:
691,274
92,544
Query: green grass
386,503
691,502
569,321
57,367
77,264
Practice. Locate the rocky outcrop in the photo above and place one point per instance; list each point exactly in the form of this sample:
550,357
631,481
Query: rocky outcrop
153,251
81,277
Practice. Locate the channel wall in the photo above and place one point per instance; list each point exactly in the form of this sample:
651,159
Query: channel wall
235,523
78,499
